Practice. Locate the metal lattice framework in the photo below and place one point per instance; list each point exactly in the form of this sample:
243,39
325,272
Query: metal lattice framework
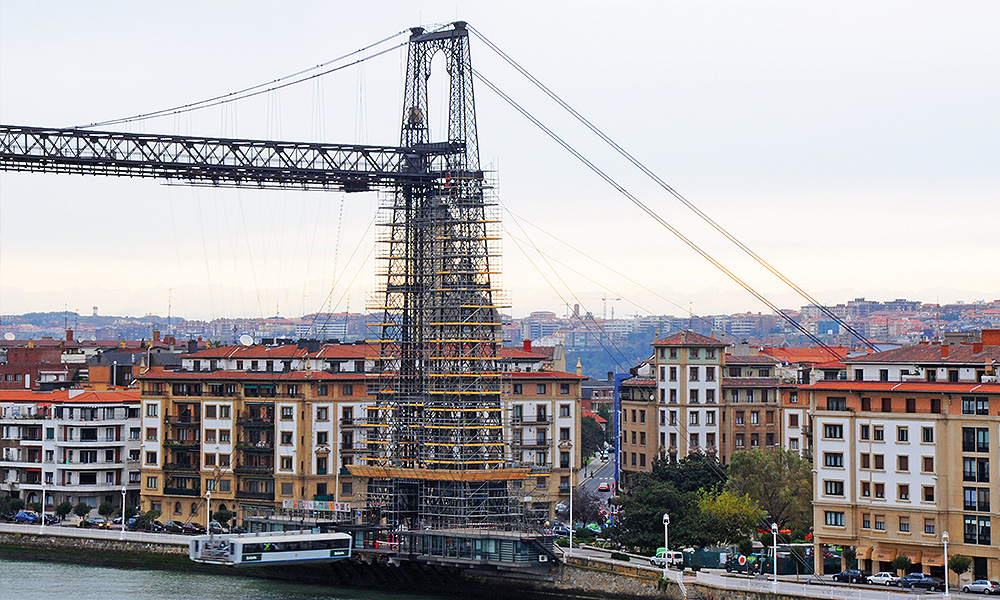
438,455
436,444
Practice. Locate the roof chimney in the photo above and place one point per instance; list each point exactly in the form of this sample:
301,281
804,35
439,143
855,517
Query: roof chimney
69,335
944,350
156,336
527,345
977,347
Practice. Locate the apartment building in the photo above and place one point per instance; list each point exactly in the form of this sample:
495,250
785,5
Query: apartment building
643,424
267,427
751,406
898,464
688,369
78,446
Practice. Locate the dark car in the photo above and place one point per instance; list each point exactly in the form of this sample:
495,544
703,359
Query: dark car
911,579
193,528
216,527
173,527
97,522
930,584
560,529
239,529
851,576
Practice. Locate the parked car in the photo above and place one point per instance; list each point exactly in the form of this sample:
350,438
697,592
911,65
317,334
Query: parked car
135,524
883,578
671,558
930,584
911,579
216,527
97,522
26,516
560,529
173,527
50,519
193,528
982,586
851,576
239,529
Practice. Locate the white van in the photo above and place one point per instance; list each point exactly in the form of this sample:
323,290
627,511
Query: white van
671,558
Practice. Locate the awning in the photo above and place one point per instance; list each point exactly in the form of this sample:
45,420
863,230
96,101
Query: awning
914,556
863,552
933,560
884,554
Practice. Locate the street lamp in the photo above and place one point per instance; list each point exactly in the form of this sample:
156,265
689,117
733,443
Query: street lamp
208,511
124,491
947,589
666,547
774,555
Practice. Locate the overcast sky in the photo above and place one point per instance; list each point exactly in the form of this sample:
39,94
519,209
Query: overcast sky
852,144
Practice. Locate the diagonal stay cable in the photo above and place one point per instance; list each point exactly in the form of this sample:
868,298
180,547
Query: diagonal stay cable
652,214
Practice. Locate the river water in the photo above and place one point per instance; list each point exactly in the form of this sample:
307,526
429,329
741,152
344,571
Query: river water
20,580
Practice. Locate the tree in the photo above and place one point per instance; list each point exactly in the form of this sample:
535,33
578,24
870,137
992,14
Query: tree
587,505
82,509
729,517
106,508
591,436
849,554
16,504
959,564
63,509
223,516
780,481
692,473
36,506
604,411
902,563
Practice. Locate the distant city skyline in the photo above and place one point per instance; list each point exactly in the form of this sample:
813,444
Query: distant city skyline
851,145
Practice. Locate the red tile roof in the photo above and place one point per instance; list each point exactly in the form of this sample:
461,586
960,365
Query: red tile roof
932,353
906,386
63,396
689,338
750,382
805,355
249,376
751,360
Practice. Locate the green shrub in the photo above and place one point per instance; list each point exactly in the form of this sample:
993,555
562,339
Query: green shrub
620,556
695,567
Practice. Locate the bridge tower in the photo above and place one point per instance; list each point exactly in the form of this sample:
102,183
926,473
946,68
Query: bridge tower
436,445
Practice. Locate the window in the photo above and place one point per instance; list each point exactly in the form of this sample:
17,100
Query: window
210,435
673,353
739,417
540,389
322,438
834,488
540,458
347,389
879,462
928,493
903,463
150,458
710,396
642,416
833,432
693,352
866,404
866,489
866,462
133,433
754,417
710,440
564,433
793,444
225,485
928,464
859,374
693,374
904,524
879,522
977,530
693,417
210,411
150,483
902,434
709,373
929,526
673,373
976,469
709,417
224,460
833,459
836,403
224,436
321,463
709,352
975,405
793,420
977,499
564,389
927,435
564,460
518,389
883,374
693,441
694,396
739,440
673,396
887,405
322,413
866,432
936,405
225,411
673,417
911,405
287,412
151,410
834,518
878,433
210,460
151,434
322,389
880,490
866,521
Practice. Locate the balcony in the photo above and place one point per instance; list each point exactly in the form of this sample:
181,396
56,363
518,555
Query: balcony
154,392
182,444
172,466
183,420
253,470
255,422
537,443
260,446
266,496
518,421
173,491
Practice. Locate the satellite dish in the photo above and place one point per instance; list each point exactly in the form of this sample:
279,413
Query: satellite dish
246,339
8,336
93,337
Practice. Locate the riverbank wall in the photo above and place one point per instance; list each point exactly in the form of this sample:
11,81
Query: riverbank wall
577,578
